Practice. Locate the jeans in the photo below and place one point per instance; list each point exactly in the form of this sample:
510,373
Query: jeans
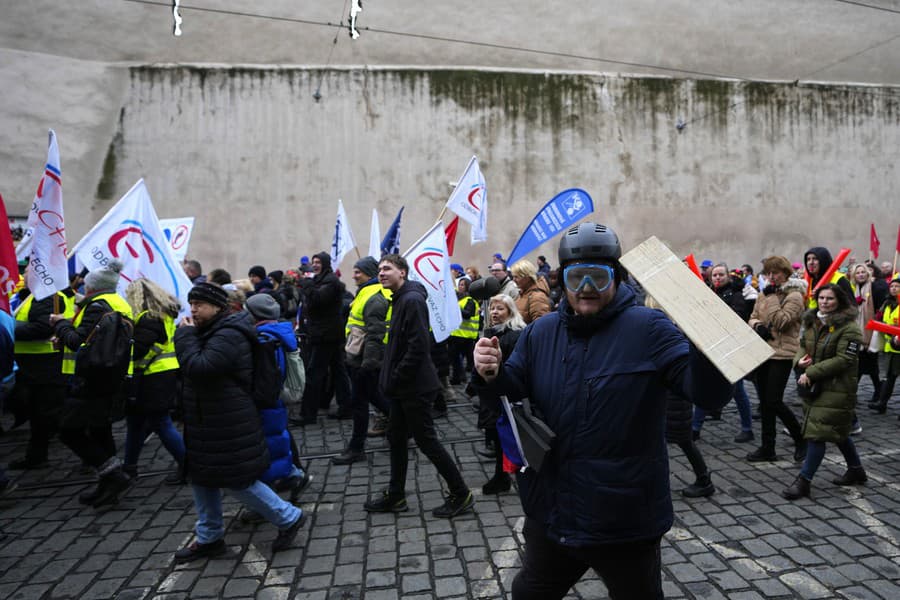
325,358
741,400
771,378
461,350
412,415
631,571
365,390
140,425
258,497
815,452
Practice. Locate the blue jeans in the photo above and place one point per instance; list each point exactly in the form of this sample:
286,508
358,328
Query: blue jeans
258,497
741,400
815,452
139,426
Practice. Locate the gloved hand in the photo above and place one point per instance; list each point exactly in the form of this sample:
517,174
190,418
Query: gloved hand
749,292
769,290
763,332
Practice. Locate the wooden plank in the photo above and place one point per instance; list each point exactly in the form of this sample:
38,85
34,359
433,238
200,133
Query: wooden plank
705,319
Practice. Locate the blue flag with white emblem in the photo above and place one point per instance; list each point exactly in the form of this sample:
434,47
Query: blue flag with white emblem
561,212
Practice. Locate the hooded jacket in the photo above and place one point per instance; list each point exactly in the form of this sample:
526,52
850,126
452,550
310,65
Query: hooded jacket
825,261
222,431
323,303
600,383
408,370
781,312
275,420
834,348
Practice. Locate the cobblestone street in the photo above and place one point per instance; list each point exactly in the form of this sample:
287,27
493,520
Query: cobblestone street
745,542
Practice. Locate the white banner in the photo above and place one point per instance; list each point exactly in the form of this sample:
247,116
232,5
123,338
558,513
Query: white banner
178,233
45,238
375,237
429,264
343,241
130,232
469,199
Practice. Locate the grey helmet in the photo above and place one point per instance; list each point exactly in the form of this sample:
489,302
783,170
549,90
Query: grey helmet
589,241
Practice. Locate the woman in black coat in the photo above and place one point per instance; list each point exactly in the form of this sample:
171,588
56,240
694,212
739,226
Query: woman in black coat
506,323
222,430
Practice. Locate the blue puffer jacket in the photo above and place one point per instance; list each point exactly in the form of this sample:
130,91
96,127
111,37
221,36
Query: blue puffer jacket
600,384
275,420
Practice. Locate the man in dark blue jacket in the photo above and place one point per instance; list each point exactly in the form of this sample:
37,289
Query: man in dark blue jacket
409,380
597,370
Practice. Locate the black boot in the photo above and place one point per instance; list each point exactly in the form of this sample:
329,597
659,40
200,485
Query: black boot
90,496
497,484
762,454
702,488
111,485
799,489
852,476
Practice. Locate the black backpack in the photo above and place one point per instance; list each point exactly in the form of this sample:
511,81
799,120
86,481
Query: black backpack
106,352
268,380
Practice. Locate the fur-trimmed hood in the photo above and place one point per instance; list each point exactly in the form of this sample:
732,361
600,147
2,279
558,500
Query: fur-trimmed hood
793,285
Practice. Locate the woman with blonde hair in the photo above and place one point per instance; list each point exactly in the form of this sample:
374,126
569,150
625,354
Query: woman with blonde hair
155,375
868,301
534,294
505,323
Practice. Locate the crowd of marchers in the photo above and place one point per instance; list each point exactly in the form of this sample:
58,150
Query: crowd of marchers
601,362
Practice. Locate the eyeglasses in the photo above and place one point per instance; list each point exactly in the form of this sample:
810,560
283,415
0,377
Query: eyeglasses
577,276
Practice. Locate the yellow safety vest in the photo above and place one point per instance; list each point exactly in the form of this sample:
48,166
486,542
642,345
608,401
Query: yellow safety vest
469,327
39,346
160,357
812,302
387,320
118,304
359,303
891,317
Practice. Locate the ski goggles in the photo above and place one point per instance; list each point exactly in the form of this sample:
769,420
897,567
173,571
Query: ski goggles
576,277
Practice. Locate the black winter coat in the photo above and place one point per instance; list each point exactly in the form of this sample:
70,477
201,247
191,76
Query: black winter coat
155,393
679,413
39,369
732,294
323,298
407,370
89,401
222,430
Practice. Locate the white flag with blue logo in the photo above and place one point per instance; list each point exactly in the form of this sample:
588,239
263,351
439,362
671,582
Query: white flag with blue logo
45,240
343,241
429,264
130,232
469,200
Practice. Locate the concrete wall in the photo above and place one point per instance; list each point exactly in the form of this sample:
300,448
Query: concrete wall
759,168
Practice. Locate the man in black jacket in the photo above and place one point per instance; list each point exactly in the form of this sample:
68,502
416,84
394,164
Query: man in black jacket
409,380
322,304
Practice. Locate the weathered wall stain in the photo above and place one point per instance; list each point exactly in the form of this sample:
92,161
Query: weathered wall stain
759,167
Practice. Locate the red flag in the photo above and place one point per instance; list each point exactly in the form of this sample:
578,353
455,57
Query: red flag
898,239
9,266
874,242
450,234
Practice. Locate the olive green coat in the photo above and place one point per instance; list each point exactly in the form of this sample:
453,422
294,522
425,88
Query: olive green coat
834,349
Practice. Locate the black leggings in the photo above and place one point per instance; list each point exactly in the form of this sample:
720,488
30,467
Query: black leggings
771,379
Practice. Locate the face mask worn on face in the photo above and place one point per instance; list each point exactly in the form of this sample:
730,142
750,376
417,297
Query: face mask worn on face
579,276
